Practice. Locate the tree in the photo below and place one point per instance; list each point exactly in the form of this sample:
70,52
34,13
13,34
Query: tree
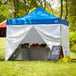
14,9
44,4
48,3
18,8
18,5
61,9
71,13
66,10
4,14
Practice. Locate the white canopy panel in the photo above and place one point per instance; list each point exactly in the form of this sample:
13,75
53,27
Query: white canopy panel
65,40
18,34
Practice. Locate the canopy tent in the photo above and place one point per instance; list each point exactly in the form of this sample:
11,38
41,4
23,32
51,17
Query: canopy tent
3,26
3,29
37,27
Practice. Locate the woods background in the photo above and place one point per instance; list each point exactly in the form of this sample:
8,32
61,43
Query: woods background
65,9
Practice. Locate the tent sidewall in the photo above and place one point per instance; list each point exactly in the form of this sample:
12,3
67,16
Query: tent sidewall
52,34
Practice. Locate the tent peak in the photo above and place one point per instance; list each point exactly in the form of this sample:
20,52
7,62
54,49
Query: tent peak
38,16
42,13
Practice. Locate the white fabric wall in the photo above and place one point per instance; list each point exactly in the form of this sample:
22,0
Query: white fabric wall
32,37
65,39
17,34
50,34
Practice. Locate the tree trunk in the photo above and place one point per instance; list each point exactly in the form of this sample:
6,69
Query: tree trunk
14,10
5,2
8,8
66,11
41,3
29,7
17,7
44,4
25,9
61,8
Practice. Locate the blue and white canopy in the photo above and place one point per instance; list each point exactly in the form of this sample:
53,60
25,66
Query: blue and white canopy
38,16
37,27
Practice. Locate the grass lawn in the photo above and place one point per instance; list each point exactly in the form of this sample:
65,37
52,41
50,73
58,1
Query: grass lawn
35,68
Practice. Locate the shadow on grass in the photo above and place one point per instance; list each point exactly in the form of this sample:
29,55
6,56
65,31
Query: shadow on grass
41,61
2,59
74,51
2,54
73,60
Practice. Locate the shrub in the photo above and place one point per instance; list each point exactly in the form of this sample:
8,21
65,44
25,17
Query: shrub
72,38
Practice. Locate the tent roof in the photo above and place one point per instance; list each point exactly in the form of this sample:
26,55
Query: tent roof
3,24
38,16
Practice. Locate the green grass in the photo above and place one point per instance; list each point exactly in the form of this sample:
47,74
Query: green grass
36,68
2,42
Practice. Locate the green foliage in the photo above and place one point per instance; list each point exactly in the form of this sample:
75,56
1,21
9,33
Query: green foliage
72,38
23,8
4,13
72,14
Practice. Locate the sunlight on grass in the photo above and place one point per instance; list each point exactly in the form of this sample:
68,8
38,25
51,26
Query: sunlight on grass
37,68
2,42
